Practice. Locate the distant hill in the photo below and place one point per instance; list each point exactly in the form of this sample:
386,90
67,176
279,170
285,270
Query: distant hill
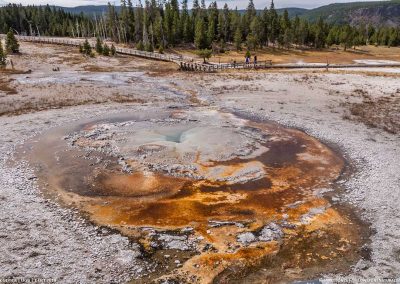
92,9
376,12
89,9
293,12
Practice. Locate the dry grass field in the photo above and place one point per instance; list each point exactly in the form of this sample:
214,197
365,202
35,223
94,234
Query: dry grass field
334,55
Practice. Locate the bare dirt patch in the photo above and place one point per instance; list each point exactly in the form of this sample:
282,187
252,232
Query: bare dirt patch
383,112
6,88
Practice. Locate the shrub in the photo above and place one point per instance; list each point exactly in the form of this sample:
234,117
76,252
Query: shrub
113,50
204,53
106,50
149,47
87,49
140,46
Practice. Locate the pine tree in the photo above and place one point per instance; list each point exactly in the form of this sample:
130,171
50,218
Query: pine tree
265,28
188,33
12,45
346,37
226,24
212,22
285,20
112,23
296,32
131,21
177,26
274,24
205,54
99,46
393,38
186,23
106,50
124,21
370,32
320,36
238,39
256,31
3,61
203,5
331,38
145,37
249,16
251,42
158,31
139,23
195,9
200,37
161,23
86,48
211,33
304,33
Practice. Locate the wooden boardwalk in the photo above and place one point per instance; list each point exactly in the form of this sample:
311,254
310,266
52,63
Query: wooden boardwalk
189,64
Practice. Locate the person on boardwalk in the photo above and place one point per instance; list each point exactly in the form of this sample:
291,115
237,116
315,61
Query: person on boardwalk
248,55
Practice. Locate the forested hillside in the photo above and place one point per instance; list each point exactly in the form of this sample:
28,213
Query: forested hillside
156,25
92,10
386,13
89,10
42,21
377,13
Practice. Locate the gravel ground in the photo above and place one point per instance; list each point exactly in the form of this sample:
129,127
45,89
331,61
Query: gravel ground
39,238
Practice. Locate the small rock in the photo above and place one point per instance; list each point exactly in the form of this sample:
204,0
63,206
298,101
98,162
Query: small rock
246,238
271,232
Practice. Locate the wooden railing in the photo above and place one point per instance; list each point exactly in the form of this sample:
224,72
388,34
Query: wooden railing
178,59
189,64
77,42
184,62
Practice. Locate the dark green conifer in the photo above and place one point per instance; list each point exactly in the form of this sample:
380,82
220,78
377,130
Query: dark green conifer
12,45
99,46
3,59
